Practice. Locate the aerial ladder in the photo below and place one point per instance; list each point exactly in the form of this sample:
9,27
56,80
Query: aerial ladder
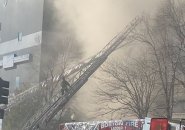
14,100
58,101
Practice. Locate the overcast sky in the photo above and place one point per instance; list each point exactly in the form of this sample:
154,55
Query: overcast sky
97,21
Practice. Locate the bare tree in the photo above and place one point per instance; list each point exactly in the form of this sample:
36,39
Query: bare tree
128,88
165,39
57,66
60,48
175,14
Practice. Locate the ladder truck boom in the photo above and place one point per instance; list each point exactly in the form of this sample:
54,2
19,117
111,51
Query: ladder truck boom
57,103
16,99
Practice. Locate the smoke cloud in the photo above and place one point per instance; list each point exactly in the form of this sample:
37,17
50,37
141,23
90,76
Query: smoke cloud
96,21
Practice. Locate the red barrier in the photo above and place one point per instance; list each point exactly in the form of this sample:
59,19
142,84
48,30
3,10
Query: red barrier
159,124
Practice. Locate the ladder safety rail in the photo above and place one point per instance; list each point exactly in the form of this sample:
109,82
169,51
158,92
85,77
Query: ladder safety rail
51,108
44,115
111,46
16,99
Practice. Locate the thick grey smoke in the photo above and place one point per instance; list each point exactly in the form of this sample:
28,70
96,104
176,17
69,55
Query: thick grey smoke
97,21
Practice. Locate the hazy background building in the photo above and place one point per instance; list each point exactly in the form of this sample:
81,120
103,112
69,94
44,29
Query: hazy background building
35,28
27,27
20,34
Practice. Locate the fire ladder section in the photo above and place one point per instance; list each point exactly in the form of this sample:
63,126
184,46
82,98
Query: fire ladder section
82,72
16,99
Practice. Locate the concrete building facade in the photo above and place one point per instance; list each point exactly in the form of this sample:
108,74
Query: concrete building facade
21,25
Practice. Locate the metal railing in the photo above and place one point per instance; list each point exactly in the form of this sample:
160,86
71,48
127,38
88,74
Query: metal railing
44,115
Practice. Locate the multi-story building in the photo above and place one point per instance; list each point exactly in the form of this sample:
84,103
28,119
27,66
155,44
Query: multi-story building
21,41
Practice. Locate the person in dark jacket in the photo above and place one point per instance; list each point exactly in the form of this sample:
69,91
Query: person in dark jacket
65,86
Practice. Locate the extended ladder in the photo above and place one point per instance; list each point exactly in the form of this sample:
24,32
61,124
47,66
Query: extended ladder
16,99
44,115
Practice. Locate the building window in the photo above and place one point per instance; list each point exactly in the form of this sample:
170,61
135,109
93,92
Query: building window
5,3
17,82
19,36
